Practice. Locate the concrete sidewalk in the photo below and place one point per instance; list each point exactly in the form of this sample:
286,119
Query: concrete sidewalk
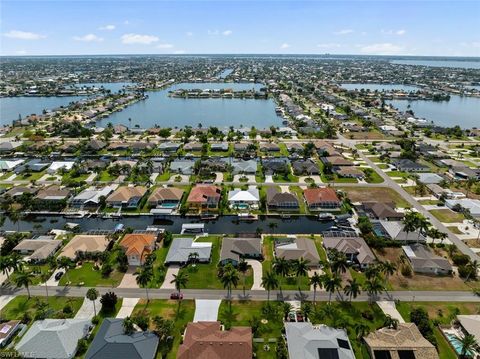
87,311
257,274
128,304
388,308
206,310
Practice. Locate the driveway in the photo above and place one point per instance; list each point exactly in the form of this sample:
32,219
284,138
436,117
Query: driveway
257,274
388,308
218,177
128,304
269,179
129,279
169,277
206,310
86,311
52,282
5,299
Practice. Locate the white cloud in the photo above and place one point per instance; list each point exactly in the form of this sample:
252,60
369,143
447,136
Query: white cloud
329,46
164,46
344,32
107,27
227,32
88,38
189,33
179,52
138,39
126,22
284,46
217,32
386,48
23,35
400,32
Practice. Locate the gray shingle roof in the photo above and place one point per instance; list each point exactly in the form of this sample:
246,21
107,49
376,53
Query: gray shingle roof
181,248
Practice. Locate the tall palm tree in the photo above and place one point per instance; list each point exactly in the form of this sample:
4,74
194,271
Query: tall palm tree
390,323
410,222
269,282
282,268
64,263
301,269
5,265
243,268
180,280
422,225
339,263
388,269
315,281
361,329
467,344
143,279
473,267
229,278
352,289
44,277
373,286
24,279
331,283
92,294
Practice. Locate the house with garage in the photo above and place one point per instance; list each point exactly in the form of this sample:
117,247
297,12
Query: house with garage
305,167
38,249
166,197
318,199
138,246
91,197
281,201
384,211
242,167
296,248
424,261
356,250
126,197
182,166
185,250
236,249
204,198
244,199
85,244
407,165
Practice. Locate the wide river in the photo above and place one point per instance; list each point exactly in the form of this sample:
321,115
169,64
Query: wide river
462,111
440,63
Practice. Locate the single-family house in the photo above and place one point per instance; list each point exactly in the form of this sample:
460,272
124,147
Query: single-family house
429,178
166,197
185,250
53,193
85,244
169,146
60,165
183,167
91,197
407,165
219,147
9,146
305,167
244,199
355,249
240,166
10,164
38,250
470,324
296,248
380,210
193,146
7,331
281,201
126,196
235,249
269,147
204,197
472,205
349,172
321,199
138,246
394,230
424,261
17,191
33,165
273,165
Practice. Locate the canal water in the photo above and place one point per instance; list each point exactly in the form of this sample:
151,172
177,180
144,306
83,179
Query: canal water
160,109
440,63
221,225
380,87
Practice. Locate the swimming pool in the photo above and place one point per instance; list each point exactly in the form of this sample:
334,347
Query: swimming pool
456,343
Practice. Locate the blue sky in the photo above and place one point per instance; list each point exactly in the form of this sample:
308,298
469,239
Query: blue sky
444,28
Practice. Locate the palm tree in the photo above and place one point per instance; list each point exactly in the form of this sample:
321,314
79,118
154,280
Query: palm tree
373,287
243,268
92,294
180,280
388,269
229,278
281,267
410,221
422,225
301,269
473,267
339,263
144,277
361,329
468,343
64,263
390,323
315,281
44,277
352,289
269,282
331,283
24,279
5,265
128,326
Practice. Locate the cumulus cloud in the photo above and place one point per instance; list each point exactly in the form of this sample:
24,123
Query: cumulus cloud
164,46
23,35
88,38
138,39
227,32
386,48
107,27
344,32
284,46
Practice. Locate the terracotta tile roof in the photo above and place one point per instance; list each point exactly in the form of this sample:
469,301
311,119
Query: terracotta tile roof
124,194
138,244
206,340
201,193
317,195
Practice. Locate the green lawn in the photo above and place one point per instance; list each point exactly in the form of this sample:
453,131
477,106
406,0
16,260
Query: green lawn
180,312
21,305
104,176
397,174
373,178
299,193
446,215
163,177
90,277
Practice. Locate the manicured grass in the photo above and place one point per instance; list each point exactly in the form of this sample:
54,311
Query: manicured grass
90,277
442,312
373,178
454,230
397,174
299,193
429,202
180,312
104,176
445,351
31,176
21,305
381,194
446,215
204,276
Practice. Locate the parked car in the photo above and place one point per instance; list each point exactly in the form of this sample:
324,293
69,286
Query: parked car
58,276
176,295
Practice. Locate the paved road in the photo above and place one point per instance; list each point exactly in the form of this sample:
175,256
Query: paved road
420,296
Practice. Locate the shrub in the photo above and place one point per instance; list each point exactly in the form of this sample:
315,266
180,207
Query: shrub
460,259
367,314
106,269
67,309
95,320
108,300
142,321
406,271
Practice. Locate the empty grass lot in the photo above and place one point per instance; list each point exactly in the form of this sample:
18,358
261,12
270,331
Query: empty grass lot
21,305
446,215
90,277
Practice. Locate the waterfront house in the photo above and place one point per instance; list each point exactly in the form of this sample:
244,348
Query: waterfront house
184,250
470,324
320,341
296,248
183,167
138,246
281,201
204,197
429,178
209,340
126,197
424,261
380,210
321,198
355,249
17,191
60,165
95,145
305,167
394,230
406,165
91,197
219,147
85,244
53,338
166,197
235,249
244,199
39,249
404,341
53,193
112,342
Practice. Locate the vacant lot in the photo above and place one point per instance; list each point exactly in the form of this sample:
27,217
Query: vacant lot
446,215
380,194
